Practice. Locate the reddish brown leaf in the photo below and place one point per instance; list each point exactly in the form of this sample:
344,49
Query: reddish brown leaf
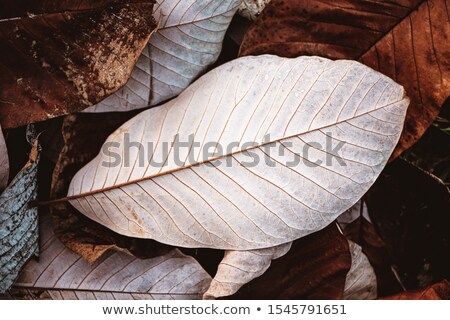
404,39
314,268
59,57
438,291
83,136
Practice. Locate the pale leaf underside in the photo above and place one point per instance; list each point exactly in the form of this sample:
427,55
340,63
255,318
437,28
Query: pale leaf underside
218,200
240,267
4,162
189,39
361,282
62,274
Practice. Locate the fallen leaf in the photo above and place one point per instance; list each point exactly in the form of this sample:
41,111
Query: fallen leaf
4,162
188,40
246,197
251,9
77,53
83,135
360,282
437,291
314,268
240,267
405,40
19,221
62,274
409,209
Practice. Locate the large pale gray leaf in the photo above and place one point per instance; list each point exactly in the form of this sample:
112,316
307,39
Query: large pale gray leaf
251,9
18,221
361,281
4,162
291,144
188,40
62,274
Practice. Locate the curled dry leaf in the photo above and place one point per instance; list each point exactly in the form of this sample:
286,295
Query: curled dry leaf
405,40
188,40
361,282
249,196
62,274
251,9
240,267
314,268
83,135
59,57
18,221
4,162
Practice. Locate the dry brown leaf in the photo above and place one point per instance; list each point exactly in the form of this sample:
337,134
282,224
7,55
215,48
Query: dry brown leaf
59,57
62,274
437,291
83,135
314,268
406,40
220,198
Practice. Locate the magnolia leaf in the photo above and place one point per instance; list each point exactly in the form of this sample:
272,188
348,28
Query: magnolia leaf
240,267
63,274
251,9
83,236
361,282
188,40
314,268
60,57
4,162
405,40
18,221
278,148
354,213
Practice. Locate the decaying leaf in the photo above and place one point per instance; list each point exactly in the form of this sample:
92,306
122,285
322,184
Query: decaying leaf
18,221
188,40
63,274
4,162
409,209
437,291
59,57
249,183
83,135
314,268
240,267
251,9
361,282
405,40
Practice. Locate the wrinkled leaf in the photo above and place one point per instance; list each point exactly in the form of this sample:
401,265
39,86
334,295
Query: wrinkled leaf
4,162
251,9
59,57
409,209
240,267
228,199
83,135
314,268
437,291
18,221
405,40
360,282
188,40
63,274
